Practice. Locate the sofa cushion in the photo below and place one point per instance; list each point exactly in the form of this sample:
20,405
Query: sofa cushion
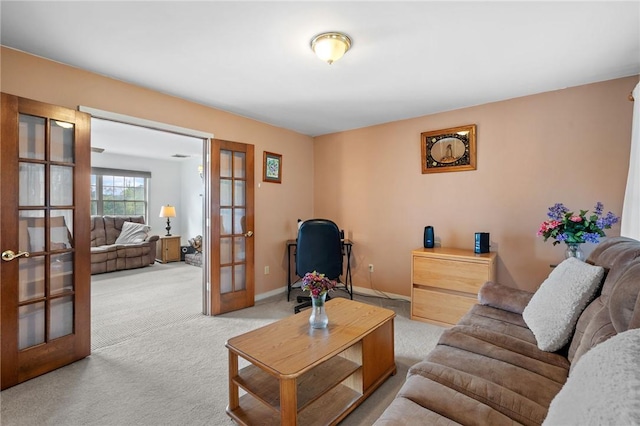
132,250
426,402
513,391
614,255
113,226
503,297
98,234
604,386
506,348
133,233
624,302
499,321
404,411
621,312
554,309
600,328
103,253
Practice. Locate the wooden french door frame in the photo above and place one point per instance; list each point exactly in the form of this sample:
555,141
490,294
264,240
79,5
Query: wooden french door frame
52,349
228,293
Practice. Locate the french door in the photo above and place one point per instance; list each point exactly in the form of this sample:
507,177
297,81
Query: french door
44,238
232,221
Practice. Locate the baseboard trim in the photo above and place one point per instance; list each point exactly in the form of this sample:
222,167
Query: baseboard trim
357,290
370,292
271,293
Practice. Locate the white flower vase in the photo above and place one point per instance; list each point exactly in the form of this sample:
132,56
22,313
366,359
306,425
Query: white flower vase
318,318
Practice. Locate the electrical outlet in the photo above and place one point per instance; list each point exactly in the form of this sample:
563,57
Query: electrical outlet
371,267
266,270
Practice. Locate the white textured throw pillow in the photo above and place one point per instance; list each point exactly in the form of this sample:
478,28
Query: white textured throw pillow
133,233
553,311
604,386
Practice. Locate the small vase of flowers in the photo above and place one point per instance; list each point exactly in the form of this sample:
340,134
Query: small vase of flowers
318,285
564,225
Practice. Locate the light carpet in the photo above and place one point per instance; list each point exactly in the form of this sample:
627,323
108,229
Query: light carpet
156,360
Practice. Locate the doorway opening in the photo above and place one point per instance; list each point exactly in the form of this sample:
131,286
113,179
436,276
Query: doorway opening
176,161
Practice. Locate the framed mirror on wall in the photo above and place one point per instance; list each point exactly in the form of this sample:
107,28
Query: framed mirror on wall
449,150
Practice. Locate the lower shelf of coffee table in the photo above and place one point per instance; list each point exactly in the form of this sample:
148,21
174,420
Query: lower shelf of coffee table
328,409
311,385
326,391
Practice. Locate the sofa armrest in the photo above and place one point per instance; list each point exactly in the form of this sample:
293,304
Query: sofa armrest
152,240
503,297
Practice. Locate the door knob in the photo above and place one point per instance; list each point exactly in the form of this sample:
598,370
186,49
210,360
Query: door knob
9,255
249,234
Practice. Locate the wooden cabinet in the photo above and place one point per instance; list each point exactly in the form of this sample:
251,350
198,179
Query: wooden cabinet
445,282
168,249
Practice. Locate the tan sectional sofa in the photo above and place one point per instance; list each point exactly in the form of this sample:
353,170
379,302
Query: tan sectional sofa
108,256
489,370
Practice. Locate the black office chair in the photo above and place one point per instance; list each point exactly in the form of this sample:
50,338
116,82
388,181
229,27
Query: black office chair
319,249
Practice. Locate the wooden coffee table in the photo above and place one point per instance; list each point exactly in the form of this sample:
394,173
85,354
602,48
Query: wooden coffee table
300,375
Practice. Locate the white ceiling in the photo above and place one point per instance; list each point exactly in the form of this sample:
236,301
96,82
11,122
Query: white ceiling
137,141
408,59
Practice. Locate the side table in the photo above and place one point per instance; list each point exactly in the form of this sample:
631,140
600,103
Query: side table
168,249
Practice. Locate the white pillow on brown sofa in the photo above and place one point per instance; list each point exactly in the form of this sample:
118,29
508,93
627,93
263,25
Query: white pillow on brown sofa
553,311
603,387
133,233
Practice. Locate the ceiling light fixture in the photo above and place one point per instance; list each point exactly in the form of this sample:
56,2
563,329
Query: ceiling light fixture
330,46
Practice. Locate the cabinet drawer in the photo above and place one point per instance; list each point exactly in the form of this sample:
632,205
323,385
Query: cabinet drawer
446,307
466,277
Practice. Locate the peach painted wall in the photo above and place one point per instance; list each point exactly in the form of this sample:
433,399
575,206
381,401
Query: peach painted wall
566,146
569,146
277,205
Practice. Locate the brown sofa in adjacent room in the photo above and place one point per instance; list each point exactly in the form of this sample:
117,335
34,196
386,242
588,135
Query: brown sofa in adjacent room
489,369
111,250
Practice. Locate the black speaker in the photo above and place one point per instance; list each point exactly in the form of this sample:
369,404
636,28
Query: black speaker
428,237
186,250
482,242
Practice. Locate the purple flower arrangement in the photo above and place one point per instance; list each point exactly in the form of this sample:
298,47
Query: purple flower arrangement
565,226
317,284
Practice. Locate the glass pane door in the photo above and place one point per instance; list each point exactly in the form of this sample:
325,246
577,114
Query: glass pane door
45,229
45,232
233,221
232,265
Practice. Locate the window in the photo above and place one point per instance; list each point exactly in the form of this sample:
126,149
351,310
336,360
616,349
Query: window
119,192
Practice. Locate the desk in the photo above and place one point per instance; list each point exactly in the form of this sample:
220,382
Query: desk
348,283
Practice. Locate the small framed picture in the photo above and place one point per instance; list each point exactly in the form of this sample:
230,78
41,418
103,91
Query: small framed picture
272,167
449,150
